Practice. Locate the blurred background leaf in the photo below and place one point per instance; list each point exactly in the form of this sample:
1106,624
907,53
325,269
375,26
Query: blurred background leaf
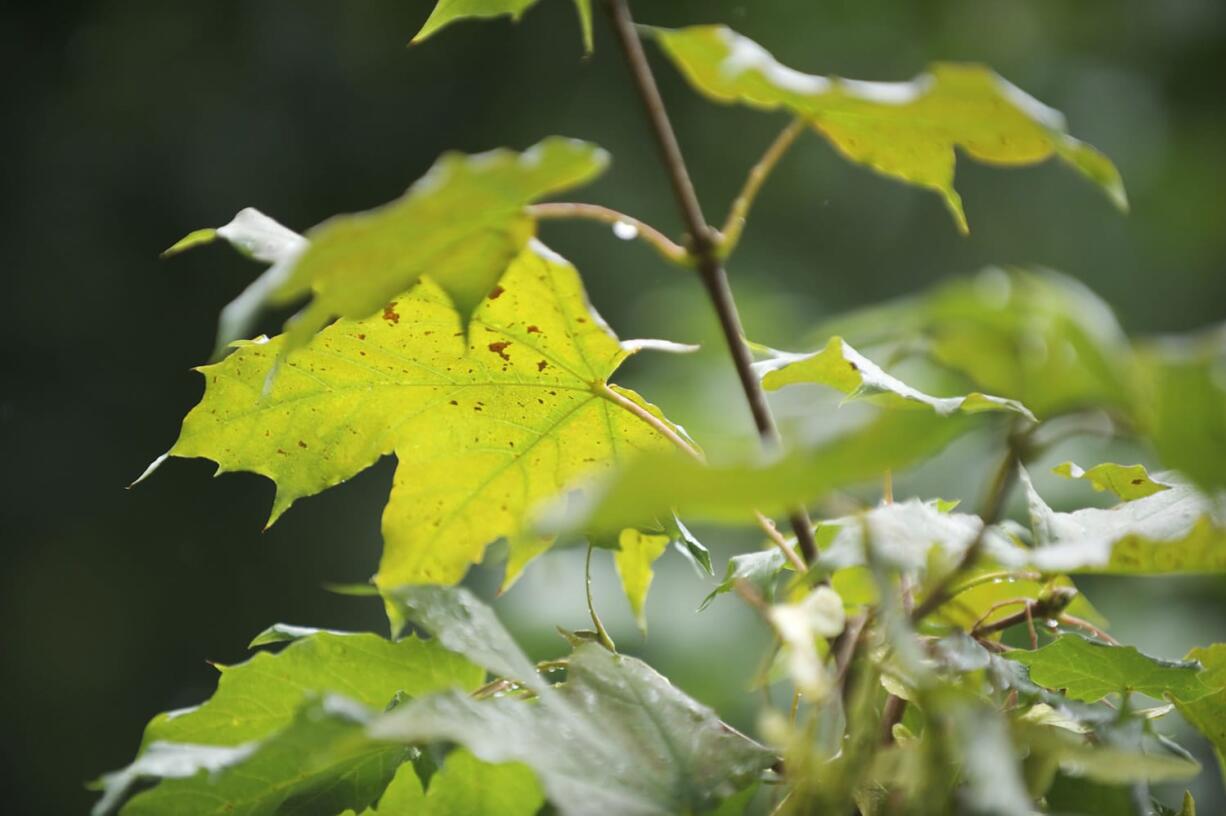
130,122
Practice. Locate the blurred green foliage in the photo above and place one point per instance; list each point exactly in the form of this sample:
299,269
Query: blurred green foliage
129,122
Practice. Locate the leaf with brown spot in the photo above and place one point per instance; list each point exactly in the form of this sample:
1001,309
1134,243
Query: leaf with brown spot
465,478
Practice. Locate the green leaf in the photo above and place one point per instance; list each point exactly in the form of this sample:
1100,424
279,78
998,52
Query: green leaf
1034,336
1088,670
1207,712
634,743
636,552
258,697
465,785
1182,404
904,130
690,547
321,763
655,485
841,367
461,224
757,568
1126,481
448,11
1172,531
1118,755
484,428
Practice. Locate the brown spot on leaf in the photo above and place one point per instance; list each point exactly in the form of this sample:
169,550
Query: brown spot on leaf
500,348
1138,481
301,444
540,366
496,293
283,453
453,402
854,367
390,314
361,337
534,330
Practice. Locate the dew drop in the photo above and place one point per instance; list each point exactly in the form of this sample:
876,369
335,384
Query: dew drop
625,230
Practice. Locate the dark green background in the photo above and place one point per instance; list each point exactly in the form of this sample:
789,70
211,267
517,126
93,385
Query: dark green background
128,123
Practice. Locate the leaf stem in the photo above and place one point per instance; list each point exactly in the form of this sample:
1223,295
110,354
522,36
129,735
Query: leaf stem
683,444
669,249
758,174
601,633
703,247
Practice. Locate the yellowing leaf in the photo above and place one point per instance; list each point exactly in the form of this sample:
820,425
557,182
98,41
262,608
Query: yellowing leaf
840,366
462,223
905,130
448,11
1126,481
484,427
637,551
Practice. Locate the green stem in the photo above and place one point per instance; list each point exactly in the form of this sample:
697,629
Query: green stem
758,174
601,632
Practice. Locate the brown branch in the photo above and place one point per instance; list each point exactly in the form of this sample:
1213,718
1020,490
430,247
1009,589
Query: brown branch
703,246
667,247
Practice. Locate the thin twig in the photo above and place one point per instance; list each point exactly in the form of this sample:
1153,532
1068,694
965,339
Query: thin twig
601,633
739,212
703,247
667,247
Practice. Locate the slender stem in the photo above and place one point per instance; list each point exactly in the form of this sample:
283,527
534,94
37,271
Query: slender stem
739,213
703,246
667,247
993,504
669,433
601,632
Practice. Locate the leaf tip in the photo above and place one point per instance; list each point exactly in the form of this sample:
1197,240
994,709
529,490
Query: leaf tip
148,471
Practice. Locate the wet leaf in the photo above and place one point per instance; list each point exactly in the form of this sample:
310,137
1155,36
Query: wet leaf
1126,481
484,427
633,743
1088,670
904,130
841,367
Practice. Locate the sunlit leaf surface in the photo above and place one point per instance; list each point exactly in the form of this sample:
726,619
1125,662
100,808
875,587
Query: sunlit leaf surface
905,130
484,426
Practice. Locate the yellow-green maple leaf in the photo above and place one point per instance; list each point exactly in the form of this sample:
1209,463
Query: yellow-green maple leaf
906,130
449,11
461,223
485,427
